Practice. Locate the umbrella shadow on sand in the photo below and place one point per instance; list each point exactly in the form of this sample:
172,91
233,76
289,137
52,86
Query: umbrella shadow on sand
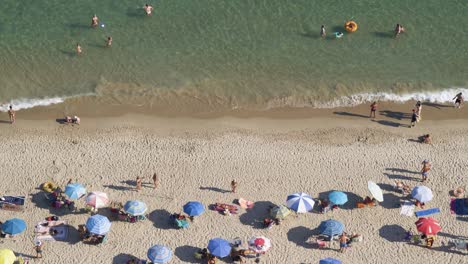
391,201
392,233
41,200
443,248
301,236
350,204
161,219
122,258
187,254
254,217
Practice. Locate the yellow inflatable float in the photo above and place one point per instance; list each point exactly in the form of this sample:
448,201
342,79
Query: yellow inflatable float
49,187
351,26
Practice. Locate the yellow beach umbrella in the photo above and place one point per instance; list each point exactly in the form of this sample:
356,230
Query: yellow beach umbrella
7,256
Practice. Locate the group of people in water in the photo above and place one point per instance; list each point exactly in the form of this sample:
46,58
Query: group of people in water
351,26
95,23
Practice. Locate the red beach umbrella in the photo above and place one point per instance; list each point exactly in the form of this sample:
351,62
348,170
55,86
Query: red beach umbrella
428,226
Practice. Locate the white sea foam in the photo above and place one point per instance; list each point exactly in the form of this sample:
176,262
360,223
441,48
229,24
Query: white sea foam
442,96
25,103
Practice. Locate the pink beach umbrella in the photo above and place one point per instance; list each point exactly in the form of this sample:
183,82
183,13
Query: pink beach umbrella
97,199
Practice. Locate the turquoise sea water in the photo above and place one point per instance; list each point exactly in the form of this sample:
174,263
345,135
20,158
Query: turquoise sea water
247,51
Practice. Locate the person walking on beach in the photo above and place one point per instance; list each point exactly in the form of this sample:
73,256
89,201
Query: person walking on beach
414,118
138,183
398,30
425,170
148,9
323,34
94,21
373,109
78,49
458,100
418,110
12,115
343,242
233,186
109,41
38,247
155,180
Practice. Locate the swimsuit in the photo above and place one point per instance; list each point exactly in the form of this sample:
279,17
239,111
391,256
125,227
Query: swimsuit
343,245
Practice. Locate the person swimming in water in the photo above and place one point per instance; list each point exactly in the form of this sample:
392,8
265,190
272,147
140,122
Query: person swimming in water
323,34
94,21
148,9
78,49
339,34
398,30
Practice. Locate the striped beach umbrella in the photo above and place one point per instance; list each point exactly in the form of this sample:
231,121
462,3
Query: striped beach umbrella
98,224
135,207
7,256
97,199
260,244
331,228
219,247
428,226
422,194
14,226
338,198
75,190
194,208
300,202
159,254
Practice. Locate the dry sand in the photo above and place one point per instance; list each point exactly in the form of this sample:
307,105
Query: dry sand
197,159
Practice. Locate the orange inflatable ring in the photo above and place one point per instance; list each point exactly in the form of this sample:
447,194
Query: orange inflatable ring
351,26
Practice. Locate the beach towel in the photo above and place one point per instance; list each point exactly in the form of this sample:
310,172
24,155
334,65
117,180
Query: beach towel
60,226
12,203
427,212
407,208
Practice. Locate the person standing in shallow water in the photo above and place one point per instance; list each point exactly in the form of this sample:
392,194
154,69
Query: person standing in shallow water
398,30
12,115
109,41
414,118
418,110
94,21
373,109
458,100
323,33
148,9
78,49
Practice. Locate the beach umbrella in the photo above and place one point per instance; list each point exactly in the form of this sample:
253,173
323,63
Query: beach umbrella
280,212
338,198
75,190
14,226
260,244
194,208
422,194
159,254
97,199
135,207
329,261
331,228
300,202
428,226
98,224
375,191
219,247
7,256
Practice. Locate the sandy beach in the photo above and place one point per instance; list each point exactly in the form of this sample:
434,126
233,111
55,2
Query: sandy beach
196,159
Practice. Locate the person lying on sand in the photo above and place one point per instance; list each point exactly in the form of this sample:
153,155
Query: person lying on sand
403,188
426,139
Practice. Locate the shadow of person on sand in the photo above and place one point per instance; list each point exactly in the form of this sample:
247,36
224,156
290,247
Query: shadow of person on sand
187,254
438,106
401,177
389,123
118,187
214,189
301,236
402,170
161,219
123,258
395,115
254,217
392,233
443,248
5,122
350,114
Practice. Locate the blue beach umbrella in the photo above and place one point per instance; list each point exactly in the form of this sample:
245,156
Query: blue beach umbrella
14,226
331,228
194,208
75,190
329,261
98,224
300,202
219,247
338,198
422,194
159,254
135,207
